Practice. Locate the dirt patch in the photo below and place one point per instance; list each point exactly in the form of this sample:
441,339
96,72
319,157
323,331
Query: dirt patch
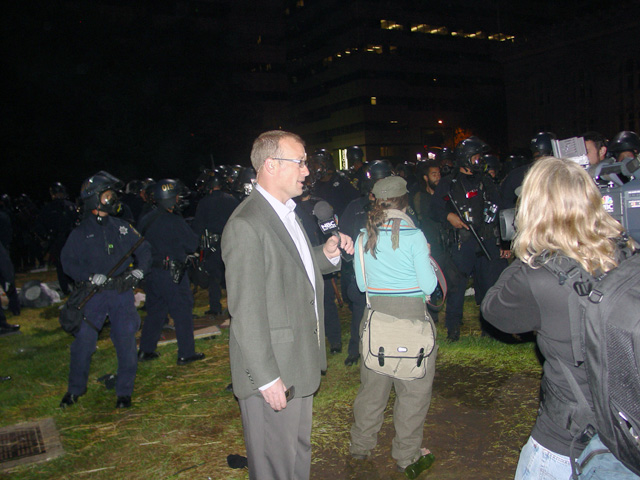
478,421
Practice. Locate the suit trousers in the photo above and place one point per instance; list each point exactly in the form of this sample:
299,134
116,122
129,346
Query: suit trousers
278,443
413,397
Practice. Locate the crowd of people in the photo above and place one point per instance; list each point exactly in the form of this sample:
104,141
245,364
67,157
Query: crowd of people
254,231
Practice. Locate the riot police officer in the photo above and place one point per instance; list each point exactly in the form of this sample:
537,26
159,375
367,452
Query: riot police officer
542,145
331,186
167,284
463,201
54,224
91,251
211,216
624,144
357,170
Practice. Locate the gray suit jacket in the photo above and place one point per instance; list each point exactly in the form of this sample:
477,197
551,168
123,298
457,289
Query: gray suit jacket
274,331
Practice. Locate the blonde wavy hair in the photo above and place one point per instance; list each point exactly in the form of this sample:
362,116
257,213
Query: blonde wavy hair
560,211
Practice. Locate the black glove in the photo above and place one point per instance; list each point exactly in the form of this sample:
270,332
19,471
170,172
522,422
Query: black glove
129,280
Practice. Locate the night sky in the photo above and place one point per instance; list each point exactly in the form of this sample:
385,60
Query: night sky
81,93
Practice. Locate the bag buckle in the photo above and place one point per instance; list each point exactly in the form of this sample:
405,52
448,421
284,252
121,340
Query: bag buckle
381,356
420,357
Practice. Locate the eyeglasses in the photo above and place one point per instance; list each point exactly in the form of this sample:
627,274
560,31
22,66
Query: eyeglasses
301,163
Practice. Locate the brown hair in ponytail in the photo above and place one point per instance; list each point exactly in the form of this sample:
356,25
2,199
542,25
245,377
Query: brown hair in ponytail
376,217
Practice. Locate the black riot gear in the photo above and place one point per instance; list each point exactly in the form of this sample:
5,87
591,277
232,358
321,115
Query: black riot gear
446,160
245,182
625,141
166,193
354,154
58,190
321,162
100,192
376,170
209,180
541,145
468,148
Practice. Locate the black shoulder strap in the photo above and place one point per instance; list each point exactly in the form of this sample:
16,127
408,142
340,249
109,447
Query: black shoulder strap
579,283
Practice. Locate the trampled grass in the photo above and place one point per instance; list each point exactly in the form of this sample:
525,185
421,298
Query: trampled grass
183,422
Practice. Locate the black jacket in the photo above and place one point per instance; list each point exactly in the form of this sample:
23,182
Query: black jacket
526,299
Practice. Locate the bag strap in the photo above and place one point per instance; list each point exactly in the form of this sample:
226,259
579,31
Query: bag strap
393,213
364,275
579,283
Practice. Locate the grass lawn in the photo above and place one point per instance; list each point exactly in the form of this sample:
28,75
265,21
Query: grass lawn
183,422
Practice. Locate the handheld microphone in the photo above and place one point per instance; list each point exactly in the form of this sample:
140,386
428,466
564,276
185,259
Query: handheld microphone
328,222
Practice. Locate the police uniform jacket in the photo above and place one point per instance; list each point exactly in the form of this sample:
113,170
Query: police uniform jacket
96,248
469,191
213,212
169,235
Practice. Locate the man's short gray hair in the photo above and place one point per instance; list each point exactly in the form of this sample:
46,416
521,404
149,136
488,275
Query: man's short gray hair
268,145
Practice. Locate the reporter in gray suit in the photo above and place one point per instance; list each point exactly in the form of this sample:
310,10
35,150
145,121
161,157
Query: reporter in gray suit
275,298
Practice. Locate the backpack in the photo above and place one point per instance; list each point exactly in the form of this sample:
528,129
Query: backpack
605,335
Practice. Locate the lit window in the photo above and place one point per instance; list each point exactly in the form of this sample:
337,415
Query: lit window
374,48
393,121
300,3
390,25
374,100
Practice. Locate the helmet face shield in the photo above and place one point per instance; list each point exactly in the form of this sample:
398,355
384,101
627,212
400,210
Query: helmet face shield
476,163
109,202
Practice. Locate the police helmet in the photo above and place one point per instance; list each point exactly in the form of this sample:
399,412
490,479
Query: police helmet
625,141
245,181
445,155
58,190
541,145
94,189
375,170
491,162
133,187
230,174
466,149
321,162
146,189
354,154
209,179
168,193
405,169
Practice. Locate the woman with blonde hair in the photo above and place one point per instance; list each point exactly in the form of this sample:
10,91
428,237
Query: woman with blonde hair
399,276
559,213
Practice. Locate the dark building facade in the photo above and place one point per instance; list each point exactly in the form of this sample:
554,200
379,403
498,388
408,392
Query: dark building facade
394,77
581,77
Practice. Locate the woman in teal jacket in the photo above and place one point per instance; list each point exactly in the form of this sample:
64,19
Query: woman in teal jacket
399,278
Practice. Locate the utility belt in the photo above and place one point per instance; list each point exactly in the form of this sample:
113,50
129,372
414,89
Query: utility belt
110,284
455,237
176,269
564,412
210,241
